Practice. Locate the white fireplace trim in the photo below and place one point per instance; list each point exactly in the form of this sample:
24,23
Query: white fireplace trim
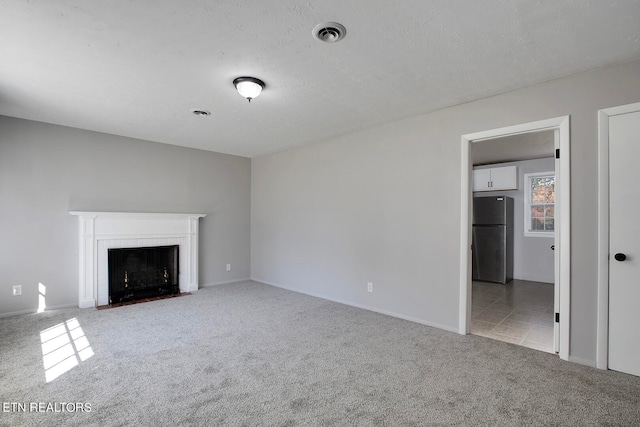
100,231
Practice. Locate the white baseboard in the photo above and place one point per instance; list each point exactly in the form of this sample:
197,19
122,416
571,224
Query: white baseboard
35,310
362,306
226,282
17,313
60,307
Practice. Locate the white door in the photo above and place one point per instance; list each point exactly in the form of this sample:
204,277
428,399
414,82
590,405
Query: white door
624,243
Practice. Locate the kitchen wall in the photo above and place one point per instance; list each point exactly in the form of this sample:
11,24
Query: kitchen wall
48,170
532,256
383,205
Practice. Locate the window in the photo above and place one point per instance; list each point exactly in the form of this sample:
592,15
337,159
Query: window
539,199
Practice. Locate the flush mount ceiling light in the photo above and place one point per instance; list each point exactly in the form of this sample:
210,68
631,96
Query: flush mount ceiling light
329,32
248,87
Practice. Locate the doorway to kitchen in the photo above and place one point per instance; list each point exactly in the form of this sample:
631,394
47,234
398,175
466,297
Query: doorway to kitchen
513,233
528,310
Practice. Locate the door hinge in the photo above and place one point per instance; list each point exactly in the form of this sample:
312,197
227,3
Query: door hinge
557,153
557,317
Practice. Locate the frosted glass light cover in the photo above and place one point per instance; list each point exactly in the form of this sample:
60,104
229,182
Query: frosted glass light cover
248,89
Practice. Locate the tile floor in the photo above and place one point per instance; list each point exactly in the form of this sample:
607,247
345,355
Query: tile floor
520,312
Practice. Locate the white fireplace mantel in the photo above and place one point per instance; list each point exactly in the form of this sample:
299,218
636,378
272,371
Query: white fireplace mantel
101,231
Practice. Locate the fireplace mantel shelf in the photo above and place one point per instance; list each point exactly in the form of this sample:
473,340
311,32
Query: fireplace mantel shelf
101,231
144,215
137,214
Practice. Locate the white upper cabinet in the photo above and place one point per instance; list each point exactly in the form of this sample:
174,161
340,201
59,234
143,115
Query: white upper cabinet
482,180
494,179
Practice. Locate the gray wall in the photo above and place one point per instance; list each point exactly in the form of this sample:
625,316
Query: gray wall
532,256
48,170
383,205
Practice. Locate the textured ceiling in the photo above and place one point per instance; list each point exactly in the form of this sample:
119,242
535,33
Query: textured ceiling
138,67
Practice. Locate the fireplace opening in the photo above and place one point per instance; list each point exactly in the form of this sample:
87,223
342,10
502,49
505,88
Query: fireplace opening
141,273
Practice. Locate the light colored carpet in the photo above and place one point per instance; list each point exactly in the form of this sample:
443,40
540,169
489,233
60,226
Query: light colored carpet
251,354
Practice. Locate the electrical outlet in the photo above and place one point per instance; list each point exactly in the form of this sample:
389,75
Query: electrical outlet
228,267
16,290
369,287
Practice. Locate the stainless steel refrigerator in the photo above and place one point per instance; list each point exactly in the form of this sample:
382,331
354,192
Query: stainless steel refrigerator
492,240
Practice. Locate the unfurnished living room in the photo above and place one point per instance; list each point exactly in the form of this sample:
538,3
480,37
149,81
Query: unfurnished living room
275,212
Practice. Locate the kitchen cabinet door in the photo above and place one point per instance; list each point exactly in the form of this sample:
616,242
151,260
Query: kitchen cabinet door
481,180
504,178
494,179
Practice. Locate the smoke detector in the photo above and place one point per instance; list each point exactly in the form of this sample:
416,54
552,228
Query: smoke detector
329,32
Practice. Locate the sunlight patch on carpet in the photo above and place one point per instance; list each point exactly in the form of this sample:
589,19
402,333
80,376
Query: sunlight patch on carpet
64,346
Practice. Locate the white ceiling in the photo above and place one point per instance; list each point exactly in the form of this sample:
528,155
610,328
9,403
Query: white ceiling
138,67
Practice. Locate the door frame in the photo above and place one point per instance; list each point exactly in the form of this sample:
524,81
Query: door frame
563,228
602,331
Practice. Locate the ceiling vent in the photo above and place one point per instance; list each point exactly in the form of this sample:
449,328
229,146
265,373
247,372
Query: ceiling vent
329,32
